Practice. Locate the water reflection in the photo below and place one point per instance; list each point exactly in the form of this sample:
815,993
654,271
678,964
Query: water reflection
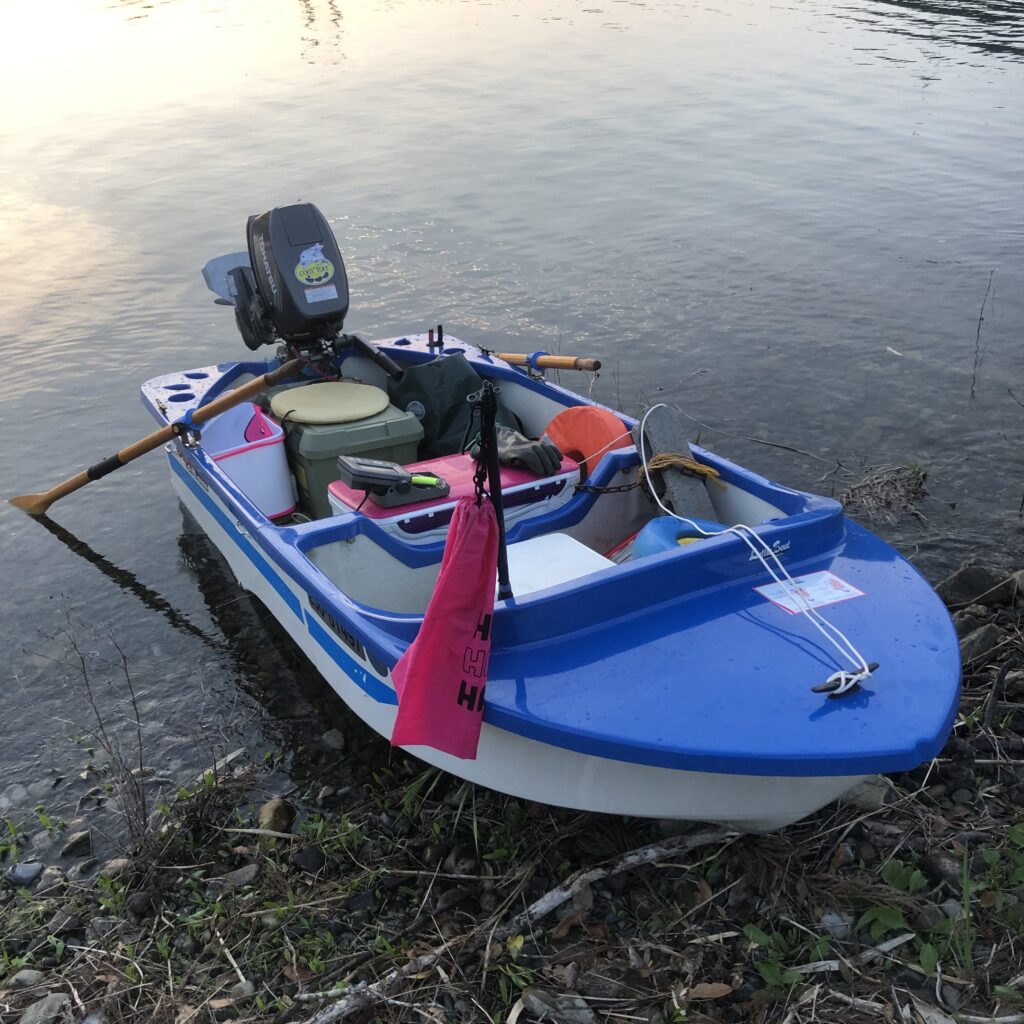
992,26
322,32
129,583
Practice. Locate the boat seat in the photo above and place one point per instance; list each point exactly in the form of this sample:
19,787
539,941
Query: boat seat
524,495
341,401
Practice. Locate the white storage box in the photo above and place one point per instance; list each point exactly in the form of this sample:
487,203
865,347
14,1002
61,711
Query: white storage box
249,447
550,560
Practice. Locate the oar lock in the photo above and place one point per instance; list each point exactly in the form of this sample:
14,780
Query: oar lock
186,431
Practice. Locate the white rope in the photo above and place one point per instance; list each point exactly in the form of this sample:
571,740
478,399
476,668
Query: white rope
839,682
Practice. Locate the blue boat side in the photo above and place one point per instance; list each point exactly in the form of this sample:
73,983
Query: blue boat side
674,660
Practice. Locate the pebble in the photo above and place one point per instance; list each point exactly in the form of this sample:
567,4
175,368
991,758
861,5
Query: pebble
982,584
221,1009
13,796
24,873
603,980
49,1009
140,903
928,917
116,868
838,925
979,643
333,739
276,815
62,923
242,990
82,869
309,858
40,790
451,898
99,927
951,996
360,901
233,879
1013,686
52,882
77,843
968,619
567,1008
963,796
26,978
952,909
866,852
869,795
942,867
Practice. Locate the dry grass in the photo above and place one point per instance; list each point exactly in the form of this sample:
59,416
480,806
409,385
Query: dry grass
886,494
432,900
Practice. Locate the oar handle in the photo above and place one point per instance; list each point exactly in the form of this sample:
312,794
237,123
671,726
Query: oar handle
37,504
551,362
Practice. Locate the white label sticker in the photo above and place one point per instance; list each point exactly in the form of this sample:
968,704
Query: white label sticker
816,589
321,294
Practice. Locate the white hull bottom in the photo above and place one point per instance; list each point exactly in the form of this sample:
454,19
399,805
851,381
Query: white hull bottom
526,768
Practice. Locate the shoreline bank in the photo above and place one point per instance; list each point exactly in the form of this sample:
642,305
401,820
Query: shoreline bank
383,889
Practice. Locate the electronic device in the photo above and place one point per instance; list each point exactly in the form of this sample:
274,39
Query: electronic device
387,483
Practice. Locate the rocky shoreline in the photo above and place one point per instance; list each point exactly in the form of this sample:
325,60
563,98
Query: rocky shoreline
384,890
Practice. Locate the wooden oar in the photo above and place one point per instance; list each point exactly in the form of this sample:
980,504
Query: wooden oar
551,362
37,504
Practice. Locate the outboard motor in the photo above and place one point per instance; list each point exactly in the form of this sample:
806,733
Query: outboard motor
295,287
291,285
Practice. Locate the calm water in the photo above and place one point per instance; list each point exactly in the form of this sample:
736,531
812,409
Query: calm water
810,201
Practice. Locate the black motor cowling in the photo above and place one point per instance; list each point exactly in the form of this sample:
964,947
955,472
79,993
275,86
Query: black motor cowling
296,288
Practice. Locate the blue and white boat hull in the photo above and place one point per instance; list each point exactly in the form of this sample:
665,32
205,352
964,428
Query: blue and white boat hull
672,686
507,762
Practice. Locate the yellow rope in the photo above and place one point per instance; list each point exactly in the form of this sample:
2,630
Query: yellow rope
685,464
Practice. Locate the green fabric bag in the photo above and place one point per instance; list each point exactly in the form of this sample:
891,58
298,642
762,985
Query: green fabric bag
436,394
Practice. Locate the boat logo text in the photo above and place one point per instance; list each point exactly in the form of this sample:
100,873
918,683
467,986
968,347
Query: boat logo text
350,641
266,266
777,548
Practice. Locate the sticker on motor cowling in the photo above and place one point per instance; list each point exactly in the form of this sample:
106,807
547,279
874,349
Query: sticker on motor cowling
321,294
814,590
314,267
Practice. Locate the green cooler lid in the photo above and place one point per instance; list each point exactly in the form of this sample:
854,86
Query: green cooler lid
340,401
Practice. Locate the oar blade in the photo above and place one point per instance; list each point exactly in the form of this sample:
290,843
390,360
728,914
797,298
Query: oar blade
33,504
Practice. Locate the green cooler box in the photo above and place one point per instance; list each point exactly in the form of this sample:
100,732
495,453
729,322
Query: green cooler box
325,420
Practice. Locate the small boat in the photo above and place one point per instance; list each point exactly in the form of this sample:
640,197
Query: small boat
684,640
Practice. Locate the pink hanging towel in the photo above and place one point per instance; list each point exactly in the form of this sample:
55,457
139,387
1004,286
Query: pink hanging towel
440,679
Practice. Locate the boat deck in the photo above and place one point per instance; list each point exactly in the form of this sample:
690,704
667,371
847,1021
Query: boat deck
721,680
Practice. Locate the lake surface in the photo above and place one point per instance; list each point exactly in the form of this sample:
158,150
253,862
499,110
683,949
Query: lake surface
818,204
